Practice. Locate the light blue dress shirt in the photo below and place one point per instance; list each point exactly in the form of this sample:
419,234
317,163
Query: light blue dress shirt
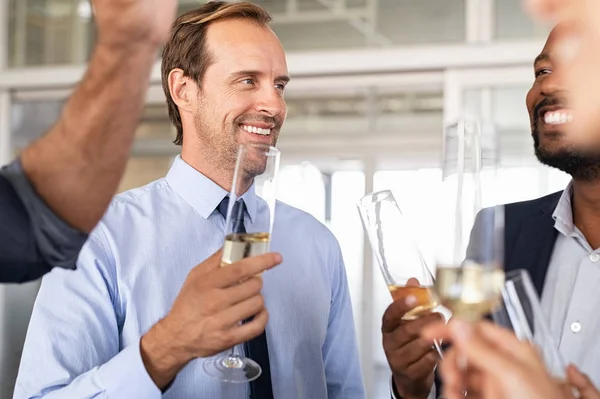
83,338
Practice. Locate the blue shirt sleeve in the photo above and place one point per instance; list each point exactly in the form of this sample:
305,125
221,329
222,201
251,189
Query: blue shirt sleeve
72,348
33,239
340,351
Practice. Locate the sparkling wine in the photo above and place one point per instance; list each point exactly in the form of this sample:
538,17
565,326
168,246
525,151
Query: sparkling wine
426,301
244,245
470,291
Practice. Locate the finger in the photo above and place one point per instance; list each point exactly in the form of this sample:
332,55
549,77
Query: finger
478,350
439,331
242,291
392,317
452,374
474,382
413,282
424,366
505,341
409,331
211,263
240,270
413,352
252,329
582,382
241,311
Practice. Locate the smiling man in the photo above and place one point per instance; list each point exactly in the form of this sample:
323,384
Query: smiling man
124,327
555,238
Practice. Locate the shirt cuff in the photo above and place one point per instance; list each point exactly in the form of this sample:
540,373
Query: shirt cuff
125,376
57,242
393,395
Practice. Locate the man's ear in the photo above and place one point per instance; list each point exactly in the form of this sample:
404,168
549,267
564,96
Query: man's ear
183,89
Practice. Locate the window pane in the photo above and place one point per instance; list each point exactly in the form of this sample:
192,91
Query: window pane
302,186
315,26
44,32
513,23
511,119
347,187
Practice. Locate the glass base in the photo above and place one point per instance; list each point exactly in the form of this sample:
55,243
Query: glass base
232,368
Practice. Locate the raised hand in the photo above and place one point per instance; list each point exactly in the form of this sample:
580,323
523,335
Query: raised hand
133,22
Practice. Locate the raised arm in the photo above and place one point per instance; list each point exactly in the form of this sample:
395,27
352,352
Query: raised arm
77,166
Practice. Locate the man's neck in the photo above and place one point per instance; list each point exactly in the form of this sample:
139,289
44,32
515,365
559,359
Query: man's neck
214,170
586,210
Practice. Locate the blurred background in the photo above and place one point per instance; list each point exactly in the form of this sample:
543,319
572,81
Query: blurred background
374,84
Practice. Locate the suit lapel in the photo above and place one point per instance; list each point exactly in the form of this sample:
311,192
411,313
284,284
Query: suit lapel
534,244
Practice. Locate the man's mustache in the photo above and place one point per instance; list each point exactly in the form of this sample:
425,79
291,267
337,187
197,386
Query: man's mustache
548,101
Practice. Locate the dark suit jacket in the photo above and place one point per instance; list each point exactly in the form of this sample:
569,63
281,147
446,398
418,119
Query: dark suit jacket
33,239
530,236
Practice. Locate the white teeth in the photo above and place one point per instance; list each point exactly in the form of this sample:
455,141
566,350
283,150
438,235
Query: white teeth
557,117
256,130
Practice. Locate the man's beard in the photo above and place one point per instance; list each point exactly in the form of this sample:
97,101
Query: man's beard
582,165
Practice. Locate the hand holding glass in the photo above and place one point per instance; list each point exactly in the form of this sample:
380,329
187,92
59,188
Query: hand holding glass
521,312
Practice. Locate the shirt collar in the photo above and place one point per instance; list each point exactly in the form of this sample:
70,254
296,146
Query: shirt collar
200,192
563,213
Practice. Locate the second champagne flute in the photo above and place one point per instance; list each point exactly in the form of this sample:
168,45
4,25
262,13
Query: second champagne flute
398,257
250,213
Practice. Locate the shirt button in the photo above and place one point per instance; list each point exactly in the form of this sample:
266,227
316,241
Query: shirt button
594,257
575,327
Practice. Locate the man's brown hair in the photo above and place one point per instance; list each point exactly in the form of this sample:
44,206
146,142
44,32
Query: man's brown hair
186,48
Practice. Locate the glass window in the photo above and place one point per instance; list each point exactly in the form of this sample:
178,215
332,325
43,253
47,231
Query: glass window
347,187
511,22
44,32
360,23
302,186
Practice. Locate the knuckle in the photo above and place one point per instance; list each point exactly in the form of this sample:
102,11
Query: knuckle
260,301
227,340
236,271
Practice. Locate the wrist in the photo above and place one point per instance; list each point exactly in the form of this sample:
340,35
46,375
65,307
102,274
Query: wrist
162,357
133,48
402,393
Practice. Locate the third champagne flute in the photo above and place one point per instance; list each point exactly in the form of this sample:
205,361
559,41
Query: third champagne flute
469,273
520,310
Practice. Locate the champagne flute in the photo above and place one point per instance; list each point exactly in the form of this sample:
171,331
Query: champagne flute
398,257
469,273
248,227
520,311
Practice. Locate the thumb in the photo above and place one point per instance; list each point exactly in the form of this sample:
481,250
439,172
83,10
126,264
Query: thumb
412,282
478,351
582,382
